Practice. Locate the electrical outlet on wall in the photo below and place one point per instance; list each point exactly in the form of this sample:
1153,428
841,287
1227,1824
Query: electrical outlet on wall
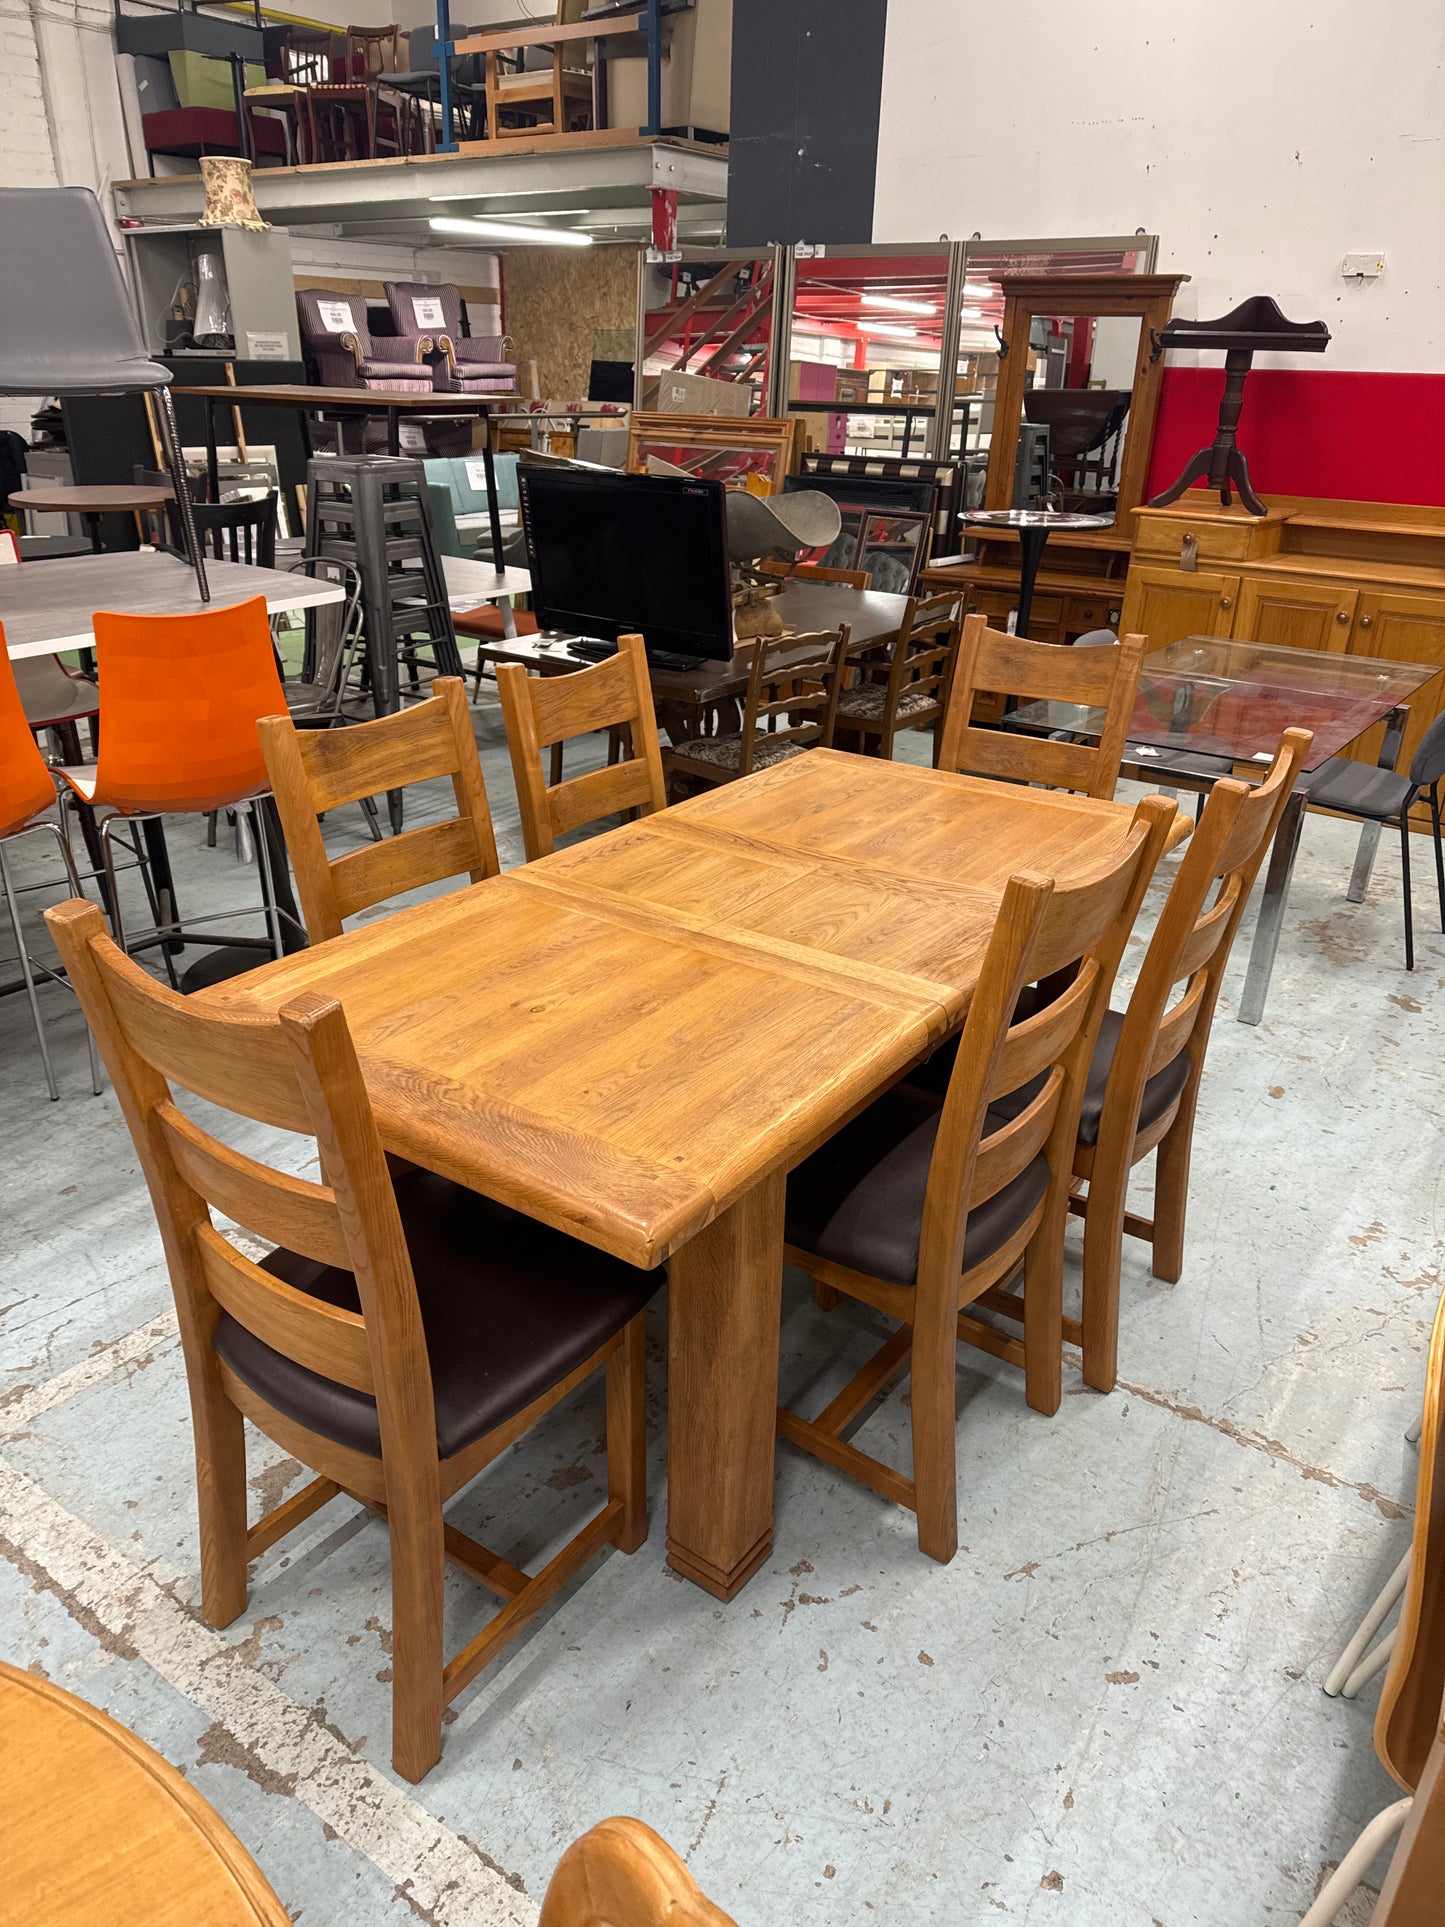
1362,267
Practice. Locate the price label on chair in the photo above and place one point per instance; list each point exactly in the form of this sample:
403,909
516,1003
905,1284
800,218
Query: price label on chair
336,317
428,311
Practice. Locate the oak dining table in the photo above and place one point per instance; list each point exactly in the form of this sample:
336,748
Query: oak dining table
636,1038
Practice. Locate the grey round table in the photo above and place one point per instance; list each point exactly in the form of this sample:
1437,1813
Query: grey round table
1034,526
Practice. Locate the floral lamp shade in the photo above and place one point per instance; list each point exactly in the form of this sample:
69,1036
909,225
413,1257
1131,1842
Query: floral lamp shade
230,199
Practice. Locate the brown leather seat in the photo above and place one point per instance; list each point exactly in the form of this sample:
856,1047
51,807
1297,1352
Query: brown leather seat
509,1307
486,623
859,1199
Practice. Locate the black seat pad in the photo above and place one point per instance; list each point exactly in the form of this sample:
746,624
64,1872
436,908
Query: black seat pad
509,1307
858,1201
1360,788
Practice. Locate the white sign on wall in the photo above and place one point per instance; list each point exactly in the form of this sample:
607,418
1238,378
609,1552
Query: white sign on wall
265,347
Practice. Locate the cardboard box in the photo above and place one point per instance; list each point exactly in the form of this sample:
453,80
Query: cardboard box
852,386
688,394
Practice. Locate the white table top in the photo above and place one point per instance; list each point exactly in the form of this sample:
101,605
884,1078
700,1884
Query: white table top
48,606
469,583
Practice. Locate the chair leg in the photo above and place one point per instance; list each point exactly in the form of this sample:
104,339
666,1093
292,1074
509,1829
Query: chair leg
1439,853
825,1297
1349,1659
1171,1195
1405,881
28,974
627,1435
1044,1314
418,1698
268,882
934,1415
73,878
220,1444
373,820
1355,1865
1103,1261
211,829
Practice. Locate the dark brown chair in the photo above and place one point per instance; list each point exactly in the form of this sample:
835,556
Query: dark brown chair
403,1333
790,706
905,684
922,1205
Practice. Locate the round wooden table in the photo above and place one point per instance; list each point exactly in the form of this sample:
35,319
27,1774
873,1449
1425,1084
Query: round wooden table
96,1830
91,503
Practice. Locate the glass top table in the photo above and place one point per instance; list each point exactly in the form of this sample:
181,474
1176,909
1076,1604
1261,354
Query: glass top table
1205,704
1032,527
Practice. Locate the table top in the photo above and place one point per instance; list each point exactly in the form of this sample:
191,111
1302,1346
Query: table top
99,1831
873,616
1237,698
365,401
1033,519
66,498
622,1038
48,606
469,582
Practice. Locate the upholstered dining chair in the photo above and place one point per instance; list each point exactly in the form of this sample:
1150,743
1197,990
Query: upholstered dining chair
27,793
922,1205
334,334
621,1874
1143,1085
999,664
470,364
790,706
542,712
401,1335
905,684
1408,1721
313,771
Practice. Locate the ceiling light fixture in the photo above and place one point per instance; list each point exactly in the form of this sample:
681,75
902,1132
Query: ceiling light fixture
507,231
897,305
888,328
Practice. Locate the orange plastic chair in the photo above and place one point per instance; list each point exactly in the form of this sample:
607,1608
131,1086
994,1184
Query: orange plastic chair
183,695
27,789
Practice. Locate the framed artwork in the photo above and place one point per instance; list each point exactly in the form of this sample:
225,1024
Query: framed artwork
753,452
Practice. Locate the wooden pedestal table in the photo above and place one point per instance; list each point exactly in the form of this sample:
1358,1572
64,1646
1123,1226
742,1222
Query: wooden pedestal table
91,503
96,1830
639,1036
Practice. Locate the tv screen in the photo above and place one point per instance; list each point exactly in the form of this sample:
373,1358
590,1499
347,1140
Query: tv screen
613,555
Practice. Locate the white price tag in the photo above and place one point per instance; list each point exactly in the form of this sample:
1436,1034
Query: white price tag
428,311
477,475
265,347
336,317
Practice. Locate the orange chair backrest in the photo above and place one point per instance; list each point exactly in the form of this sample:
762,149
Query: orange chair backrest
26,785
183,695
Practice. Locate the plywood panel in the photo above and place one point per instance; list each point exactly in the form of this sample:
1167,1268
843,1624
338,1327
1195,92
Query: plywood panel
554,302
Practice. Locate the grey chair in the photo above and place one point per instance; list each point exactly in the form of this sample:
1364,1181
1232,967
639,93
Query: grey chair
1386,796
66,323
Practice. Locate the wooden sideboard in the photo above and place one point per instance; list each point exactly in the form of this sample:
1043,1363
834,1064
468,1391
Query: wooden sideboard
1364,578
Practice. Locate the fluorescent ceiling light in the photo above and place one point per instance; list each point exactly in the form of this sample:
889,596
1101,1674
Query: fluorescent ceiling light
980,291
510,231
888,328
970,314
896,304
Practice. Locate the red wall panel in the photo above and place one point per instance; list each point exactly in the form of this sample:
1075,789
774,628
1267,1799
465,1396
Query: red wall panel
1314,431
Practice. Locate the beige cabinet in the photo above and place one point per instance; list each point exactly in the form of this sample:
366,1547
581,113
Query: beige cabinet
1165,604
1293,614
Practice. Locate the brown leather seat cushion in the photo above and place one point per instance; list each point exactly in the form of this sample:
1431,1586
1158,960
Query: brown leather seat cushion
859,1199
486,623
509,1307
1159,1093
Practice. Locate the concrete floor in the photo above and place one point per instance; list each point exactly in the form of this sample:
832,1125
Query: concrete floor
1106,1712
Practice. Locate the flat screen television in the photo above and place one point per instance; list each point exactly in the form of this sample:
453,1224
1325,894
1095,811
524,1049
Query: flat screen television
612,555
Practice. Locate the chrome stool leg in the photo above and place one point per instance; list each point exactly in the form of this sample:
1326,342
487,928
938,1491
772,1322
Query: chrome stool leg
28,974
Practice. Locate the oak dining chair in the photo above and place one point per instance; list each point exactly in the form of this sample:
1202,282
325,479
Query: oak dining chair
923,1204
817,572
998,664
1408,1721
316,770
1143,1085
790,706
905,684
403,1333
621,1874
540,712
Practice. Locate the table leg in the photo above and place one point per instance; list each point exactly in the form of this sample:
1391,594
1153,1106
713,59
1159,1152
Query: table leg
1271,909
494,516
1370,835
163,882
1031,553
725,1294
509,620
393,432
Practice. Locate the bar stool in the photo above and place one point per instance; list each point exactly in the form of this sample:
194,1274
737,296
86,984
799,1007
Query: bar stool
182,698
27,790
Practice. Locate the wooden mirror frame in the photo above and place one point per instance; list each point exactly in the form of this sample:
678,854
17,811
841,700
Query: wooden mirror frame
1150,298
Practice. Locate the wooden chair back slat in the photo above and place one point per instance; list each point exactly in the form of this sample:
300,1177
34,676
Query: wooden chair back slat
1106,678
324,1338
1033,1043
315,770
1004,1153
1409,1711
783,683
540,711
1178,1025
270,1204
1210,929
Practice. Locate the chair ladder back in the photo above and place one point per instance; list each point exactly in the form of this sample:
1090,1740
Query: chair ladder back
326,1339
1409,1711
782,685
989,661
314,770
926,653
542,711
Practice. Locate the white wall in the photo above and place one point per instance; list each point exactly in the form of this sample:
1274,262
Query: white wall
1262,140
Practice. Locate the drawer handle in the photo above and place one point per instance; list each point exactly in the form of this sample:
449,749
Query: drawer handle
1224,602
1365,621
